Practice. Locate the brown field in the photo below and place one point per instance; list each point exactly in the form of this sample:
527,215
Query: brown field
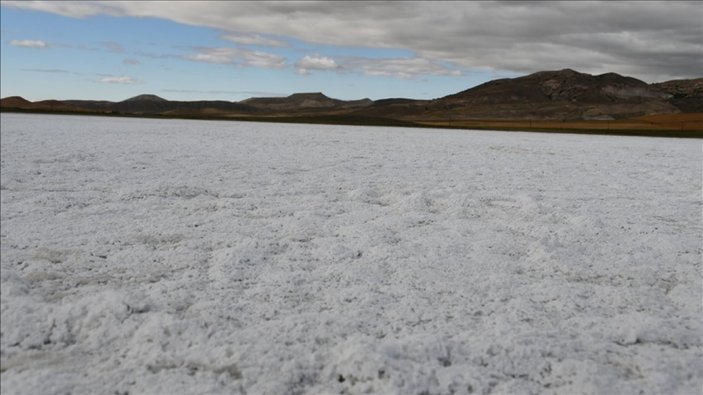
674,125
649,122
689,125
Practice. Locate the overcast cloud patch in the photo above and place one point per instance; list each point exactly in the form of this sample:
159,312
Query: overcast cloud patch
651,40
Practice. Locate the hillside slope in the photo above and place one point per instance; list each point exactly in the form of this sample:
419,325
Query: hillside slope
564,94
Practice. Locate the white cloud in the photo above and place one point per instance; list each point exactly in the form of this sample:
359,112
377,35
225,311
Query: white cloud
315,62
74,9
238,57
511,36
131,61
253,39
404,68
29,43
114,79
215,55
263,59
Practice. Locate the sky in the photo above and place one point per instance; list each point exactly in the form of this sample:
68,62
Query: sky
221,50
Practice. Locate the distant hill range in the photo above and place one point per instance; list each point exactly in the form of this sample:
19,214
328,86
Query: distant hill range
546,95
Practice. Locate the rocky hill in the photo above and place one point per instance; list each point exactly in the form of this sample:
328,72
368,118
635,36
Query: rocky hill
564,94
153,105
304,102
687,95
546,95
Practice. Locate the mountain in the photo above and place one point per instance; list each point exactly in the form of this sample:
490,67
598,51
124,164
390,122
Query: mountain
47,105
546,95
15,102
395,108
146,98
303,102
692,88
687,95
155,105
564,94
146,104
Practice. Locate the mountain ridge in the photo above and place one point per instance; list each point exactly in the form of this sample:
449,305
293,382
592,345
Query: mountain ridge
545,95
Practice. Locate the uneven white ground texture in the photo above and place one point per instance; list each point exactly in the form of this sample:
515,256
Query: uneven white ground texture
187,257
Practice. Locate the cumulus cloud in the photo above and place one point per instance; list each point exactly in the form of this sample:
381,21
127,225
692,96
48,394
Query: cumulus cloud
29,43
115,79
651,40
315,62
238,57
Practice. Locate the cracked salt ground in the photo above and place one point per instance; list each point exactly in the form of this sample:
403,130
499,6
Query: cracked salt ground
172,256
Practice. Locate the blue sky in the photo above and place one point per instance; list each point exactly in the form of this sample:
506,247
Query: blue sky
233,51
153,54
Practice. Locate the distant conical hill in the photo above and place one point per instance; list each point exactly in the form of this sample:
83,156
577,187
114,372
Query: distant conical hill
145,98
306,101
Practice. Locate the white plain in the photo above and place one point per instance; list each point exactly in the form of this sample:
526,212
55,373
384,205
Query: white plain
174,256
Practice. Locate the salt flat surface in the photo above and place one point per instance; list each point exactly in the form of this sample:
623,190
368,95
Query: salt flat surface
173,256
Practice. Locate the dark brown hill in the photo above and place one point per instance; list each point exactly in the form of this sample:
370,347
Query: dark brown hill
682,88
152,105
54,105
547,95
396,108
92,105
305,102
687,95
564,94
15,102
146,98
